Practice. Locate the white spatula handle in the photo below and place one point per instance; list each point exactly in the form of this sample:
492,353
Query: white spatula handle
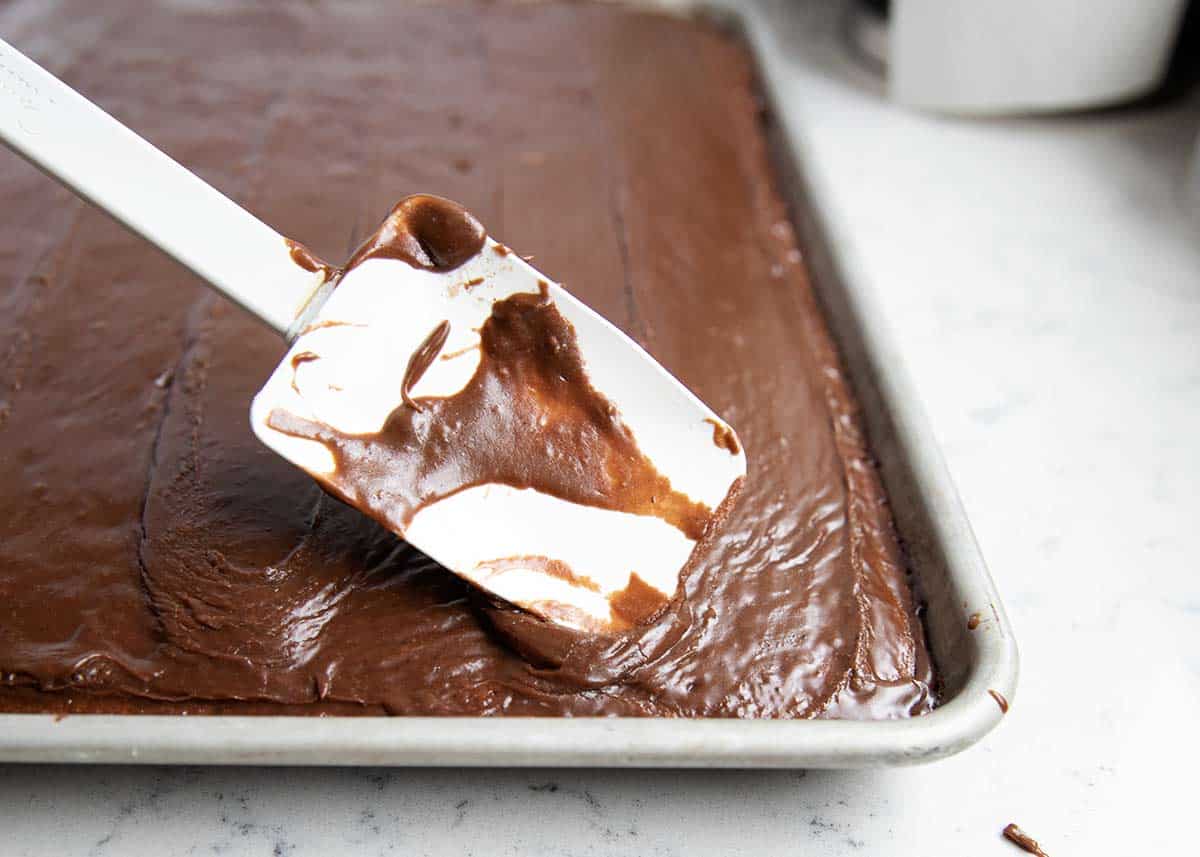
100,159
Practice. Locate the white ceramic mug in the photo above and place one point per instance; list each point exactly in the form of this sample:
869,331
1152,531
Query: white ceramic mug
1028,56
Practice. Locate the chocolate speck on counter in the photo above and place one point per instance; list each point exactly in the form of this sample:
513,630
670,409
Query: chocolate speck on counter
1023,840
973,621
1000,700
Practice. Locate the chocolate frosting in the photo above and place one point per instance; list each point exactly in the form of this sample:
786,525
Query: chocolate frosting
306,259
426,232
420,362
1023,840
528,418
155,557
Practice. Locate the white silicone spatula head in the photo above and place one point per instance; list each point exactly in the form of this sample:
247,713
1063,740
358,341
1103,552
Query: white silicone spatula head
500,425
436,381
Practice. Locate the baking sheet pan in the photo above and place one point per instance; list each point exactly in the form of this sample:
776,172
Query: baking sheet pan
969,634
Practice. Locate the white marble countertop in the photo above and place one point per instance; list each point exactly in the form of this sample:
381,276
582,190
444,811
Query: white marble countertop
1047,283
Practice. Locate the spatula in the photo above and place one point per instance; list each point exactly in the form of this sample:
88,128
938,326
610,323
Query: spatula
436,381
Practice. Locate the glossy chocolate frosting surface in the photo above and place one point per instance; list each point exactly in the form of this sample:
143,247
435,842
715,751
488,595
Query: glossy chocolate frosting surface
155,557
